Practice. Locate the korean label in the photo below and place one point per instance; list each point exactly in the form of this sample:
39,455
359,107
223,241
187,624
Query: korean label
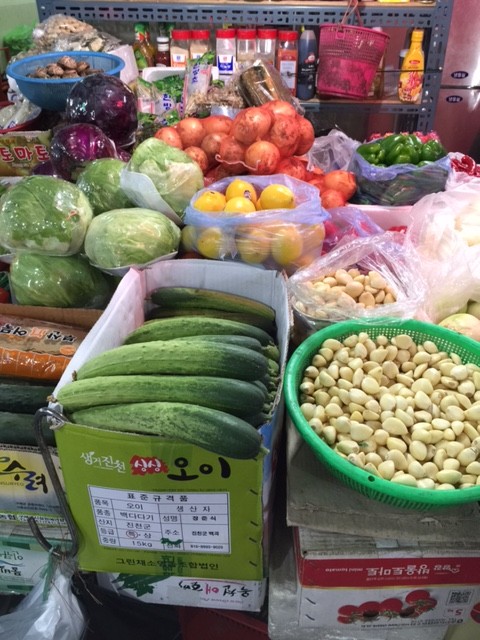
194,522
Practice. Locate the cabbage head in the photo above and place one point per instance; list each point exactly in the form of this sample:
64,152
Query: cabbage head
58,281
100,182
176,177
125,237
44,215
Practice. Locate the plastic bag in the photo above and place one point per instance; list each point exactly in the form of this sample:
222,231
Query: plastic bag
386,254
272,238
49,612
333,151
398,184
347,223
445,232
261,82
61,32
197,82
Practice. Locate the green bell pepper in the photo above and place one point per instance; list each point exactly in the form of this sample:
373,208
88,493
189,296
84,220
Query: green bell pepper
372,152
432,151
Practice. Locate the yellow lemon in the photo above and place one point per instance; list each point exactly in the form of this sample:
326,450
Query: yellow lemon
188,238
239,205
211,243
210,201
277,196
241,188
253,244
287,244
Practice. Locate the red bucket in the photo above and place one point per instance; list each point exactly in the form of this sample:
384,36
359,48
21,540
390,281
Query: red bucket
348,59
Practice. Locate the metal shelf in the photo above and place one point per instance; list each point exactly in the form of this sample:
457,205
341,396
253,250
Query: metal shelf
434,16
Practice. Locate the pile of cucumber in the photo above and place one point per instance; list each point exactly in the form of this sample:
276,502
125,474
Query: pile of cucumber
19,400
203,369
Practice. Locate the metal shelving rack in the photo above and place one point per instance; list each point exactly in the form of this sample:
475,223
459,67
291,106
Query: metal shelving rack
432,16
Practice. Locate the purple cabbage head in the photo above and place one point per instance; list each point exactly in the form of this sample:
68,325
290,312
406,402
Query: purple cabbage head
106,102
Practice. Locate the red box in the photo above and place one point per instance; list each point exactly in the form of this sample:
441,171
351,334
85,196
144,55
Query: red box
218,624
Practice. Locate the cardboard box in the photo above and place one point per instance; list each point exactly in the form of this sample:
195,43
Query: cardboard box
145,505
240,595
369,583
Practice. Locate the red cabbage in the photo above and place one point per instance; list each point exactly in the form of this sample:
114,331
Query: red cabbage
75,145
107,102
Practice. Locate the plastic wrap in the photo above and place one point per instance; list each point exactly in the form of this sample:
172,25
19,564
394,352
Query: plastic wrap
272,238
347,223
398,184
387,255
261,82
49,612
445,231
61,32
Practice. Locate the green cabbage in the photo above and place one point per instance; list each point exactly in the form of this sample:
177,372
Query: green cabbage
176,177
100,182
58,281
125,237
45,215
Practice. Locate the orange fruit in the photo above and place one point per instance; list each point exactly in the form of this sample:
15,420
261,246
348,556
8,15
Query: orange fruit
286,243
188,238
239,205
277,196
241,188
253,244
210,201
211,243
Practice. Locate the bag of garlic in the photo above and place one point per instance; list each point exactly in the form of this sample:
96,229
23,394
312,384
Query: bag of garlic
368,279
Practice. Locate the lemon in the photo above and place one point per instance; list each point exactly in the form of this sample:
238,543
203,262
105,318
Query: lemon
188,237
253,244
210,201
277,196
287,244
211,243
239,205
241,188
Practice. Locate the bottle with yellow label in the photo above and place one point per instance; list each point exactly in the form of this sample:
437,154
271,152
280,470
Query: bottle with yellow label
413,67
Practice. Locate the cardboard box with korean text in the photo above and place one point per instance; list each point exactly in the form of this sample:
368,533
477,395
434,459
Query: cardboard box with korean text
151,506
357,583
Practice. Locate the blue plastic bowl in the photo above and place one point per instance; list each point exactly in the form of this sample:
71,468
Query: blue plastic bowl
52,94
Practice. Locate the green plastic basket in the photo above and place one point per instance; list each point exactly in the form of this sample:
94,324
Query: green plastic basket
355,477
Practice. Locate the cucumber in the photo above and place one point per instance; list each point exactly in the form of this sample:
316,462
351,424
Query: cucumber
23,397
186,357
194,297
216,431
237,397
17,429
241,341
170,328
247,318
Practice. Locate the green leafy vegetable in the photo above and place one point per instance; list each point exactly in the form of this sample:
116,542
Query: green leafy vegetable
100,182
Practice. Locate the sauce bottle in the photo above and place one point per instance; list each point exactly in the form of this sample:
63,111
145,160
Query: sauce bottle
287,58
411,76
141,49
162,58
307,65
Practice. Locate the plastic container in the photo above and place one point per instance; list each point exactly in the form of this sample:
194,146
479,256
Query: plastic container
267,45
199,43
411,77
366,483
246,45
307,65
162,58
287,58
219,624
52,94
180,48
226,46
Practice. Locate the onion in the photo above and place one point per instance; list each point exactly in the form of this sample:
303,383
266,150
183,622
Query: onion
463,323
211,145
340,180
251,124
232,155
217,124
306,135
215,174
284,135
170,136
262,158
191,132
199,156
292,167
280,108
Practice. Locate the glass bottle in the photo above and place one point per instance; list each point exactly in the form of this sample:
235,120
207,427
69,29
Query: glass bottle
413,67
287,58
141,49
162,58
307,65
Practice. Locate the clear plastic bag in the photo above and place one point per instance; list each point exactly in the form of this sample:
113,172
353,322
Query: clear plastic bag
445,232
385,254
347,223
60,32
49,612
272,238
398,184
333,151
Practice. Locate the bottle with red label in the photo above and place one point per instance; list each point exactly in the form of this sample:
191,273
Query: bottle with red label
287,58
